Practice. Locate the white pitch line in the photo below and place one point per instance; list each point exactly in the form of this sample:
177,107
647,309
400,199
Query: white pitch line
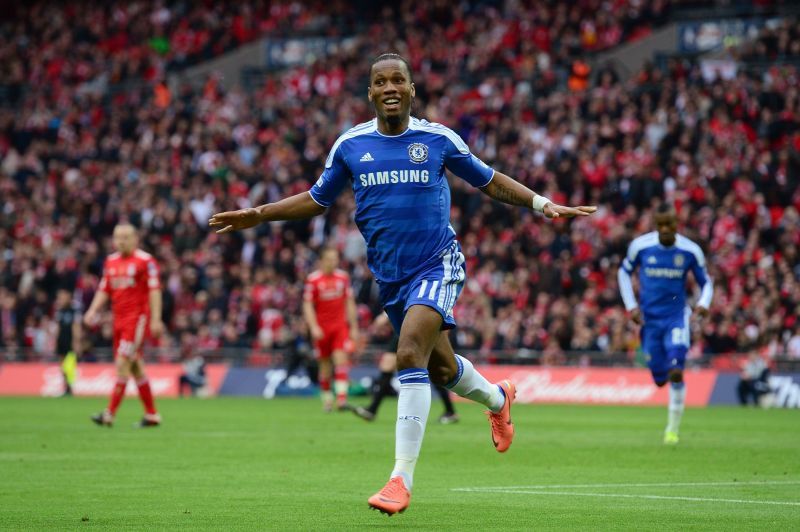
629,496
642,485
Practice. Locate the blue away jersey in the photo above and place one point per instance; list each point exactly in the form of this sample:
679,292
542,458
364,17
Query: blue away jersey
662,274
401,191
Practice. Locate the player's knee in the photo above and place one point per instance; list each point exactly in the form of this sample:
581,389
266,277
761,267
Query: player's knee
325,368
137,369
440,374
339,357
660,383
410,357
676,375
123,373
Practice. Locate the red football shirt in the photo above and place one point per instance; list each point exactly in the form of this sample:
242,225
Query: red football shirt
128,281
329,294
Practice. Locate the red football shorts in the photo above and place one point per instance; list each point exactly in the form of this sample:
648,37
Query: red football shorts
129,337
333,340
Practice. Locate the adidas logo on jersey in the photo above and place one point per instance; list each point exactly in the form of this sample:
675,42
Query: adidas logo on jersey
651,260
366,158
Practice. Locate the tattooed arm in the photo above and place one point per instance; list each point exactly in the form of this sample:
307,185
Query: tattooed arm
504,189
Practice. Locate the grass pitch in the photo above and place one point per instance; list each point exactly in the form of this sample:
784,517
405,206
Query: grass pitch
228,464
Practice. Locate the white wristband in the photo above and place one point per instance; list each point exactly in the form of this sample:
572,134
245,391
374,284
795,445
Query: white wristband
539,202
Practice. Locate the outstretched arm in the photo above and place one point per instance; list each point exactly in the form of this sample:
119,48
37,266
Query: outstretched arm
503,188
297,207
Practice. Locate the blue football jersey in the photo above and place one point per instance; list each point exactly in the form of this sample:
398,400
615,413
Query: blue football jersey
401,191
662,274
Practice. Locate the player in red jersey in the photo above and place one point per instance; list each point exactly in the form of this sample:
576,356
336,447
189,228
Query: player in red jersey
130,280
328,307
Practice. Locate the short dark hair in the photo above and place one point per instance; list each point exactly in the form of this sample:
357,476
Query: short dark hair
391,56
666,208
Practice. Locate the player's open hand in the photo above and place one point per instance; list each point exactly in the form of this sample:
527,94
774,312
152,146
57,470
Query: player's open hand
317,333
553,210
90,319
156,328
227,222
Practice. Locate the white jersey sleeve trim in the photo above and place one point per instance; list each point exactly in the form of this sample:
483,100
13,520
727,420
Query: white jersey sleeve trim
311,193
707,290
706,293
636,246
687,245
439,129
490,179
626,289
361,129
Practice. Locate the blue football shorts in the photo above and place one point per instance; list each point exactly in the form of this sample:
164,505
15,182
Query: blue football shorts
665,342
437,287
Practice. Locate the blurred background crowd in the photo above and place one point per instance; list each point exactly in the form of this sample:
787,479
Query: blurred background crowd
91,133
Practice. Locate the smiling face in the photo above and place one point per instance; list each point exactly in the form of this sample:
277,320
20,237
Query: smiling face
391,91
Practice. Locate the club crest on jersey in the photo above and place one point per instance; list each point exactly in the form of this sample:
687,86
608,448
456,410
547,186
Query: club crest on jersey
418,153
678,260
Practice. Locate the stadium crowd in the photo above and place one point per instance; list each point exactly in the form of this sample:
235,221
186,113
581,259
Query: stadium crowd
779,42
73,162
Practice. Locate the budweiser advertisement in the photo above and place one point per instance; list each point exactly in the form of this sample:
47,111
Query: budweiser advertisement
598,385
96,379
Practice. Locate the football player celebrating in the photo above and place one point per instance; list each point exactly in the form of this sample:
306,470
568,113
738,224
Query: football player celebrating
395,165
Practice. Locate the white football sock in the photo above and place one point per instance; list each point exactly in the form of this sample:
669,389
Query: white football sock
413,407
472,385
677,396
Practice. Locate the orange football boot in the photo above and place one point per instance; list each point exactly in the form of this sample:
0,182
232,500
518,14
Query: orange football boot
502,427
392,499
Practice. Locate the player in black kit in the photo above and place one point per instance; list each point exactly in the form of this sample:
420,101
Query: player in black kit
68,341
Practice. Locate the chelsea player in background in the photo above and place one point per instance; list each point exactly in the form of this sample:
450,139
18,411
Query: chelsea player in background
664,258
395,165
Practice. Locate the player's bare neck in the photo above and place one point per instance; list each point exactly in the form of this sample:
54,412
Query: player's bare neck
393,125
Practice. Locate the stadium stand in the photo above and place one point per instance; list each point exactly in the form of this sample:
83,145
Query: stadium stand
90,134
